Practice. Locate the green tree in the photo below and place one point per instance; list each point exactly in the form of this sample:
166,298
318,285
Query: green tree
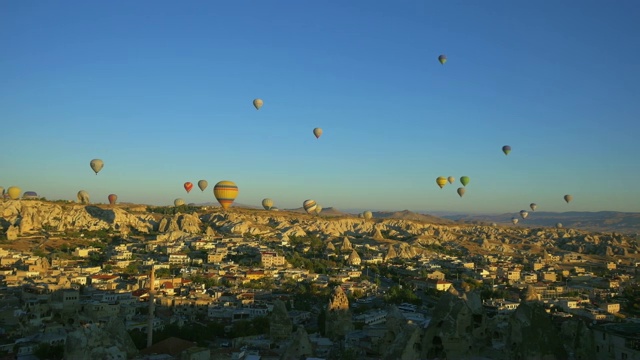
45,351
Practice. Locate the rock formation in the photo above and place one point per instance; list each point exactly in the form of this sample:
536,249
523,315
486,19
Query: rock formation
346,245
338,320
300,346
108,342
532,335
354,258
280,324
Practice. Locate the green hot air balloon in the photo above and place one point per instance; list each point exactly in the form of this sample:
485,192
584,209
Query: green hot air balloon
506,149
96,165
442,59
267,204
202,184
464,180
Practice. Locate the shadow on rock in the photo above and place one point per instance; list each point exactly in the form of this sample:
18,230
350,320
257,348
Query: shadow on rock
105,215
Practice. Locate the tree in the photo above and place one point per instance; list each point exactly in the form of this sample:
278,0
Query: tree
45,351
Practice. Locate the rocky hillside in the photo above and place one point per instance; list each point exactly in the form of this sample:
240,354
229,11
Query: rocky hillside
400,237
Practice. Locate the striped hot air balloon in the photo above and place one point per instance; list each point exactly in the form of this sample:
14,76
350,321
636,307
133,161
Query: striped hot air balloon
188,186
441,181
309,206
225,192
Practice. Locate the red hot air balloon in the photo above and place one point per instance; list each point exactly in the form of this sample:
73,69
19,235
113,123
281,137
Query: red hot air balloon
188,186
112,199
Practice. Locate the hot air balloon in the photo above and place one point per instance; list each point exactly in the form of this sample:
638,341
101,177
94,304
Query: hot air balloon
112,198
202,184
225,192
533,206
464,180
318,209
96,165
494,224
442,59
317,132
258,103
451,179
274,209
367,215
568,198
441,181
514,220
506,149
188,186
14,192
178,202
309,206
559,225
524,214
267,204
461,191
83,197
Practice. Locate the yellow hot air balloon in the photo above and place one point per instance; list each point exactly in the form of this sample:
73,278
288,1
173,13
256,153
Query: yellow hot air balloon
225,192
317,132
441,181
14,192
258,103
367,215
267,203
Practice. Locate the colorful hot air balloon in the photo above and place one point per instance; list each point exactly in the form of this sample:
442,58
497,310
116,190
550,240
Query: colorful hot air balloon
442,59
309,206
112,198
96,165
524,214
506,149
267,204
258,103
83,197
317,132
461,191
514,220
202,184
367,215
178,202
14,192
464,180
568,198
533,206
188,186
225,192
318,209
451,179
441,181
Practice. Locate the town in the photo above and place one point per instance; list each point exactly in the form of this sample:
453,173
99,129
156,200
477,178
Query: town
189,282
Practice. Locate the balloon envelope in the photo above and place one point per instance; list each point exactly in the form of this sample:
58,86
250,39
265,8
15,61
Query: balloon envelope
317,132
112,198
96,165
524,214
461,191
258,103
225,192
188,186
568,198
267,204
464,180
506,149
451,179
533,206
367,215
14,192
318,209
442,59
309,206
441,181
178,202
514,220
83,197
202,184
559,225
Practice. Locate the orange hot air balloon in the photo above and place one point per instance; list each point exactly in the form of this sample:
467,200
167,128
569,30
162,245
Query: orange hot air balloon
188,186
225,192
112,199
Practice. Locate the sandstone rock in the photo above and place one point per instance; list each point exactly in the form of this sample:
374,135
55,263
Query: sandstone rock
300,347
532,335
338,320
280,324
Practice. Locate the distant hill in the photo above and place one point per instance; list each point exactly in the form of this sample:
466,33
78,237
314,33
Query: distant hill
410,215
600,221
329,211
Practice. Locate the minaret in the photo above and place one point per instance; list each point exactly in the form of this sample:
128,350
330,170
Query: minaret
151,300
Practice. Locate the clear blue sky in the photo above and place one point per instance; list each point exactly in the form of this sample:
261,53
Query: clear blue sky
162,91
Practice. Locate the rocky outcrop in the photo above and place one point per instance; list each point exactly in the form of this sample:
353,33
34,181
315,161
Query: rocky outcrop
108,342
354,258
346,245
532,335
338,319
280,324
300,346
181,222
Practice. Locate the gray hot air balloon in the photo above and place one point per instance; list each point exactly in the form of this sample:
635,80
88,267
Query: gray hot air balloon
178,202
96,165
533,206
514,220
83,197
451,179
202,184
461,191
524,214
367,215
267,204
568,198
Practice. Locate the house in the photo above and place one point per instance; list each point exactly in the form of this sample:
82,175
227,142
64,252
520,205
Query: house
178,259
271,259
617,341
439,285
